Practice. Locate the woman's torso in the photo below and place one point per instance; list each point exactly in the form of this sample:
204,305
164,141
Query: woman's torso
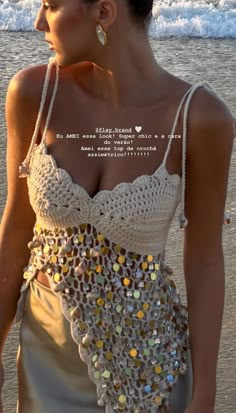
76,111
101,232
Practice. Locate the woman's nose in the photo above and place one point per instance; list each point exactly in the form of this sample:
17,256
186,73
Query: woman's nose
40,22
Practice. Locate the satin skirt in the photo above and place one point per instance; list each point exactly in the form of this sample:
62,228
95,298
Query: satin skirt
51,375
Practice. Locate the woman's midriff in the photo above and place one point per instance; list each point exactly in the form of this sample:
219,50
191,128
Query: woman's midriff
42,278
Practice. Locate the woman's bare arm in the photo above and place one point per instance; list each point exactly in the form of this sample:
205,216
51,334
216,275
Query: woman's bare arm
18,217
209,147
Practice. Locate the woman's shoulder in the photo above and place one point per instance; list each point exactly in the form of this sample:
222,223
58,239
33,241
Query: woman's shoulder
204,96
28,82
206,106
208,109
22,103
210,134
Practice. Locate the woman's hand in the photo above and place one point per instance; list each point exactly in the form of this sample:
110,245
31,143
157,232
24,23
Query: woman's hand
197,406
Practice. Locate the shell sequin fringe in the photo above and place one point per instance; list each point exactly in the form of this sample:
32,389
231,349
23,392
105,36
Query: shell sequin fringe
125,314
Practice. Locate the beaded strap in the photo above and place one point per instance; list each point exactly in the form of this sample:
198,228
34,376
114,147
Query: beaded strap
24,167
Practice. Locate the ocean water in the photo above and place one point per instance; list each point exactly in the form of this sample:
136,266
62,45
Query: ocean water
192,59
195,18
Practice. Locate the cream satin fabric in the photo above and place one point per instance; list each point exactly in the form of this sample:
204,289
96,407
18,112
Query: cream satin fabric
52,377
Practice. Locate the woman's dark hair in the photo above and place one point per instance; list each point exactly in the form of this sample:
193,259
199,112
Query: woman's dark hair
140,11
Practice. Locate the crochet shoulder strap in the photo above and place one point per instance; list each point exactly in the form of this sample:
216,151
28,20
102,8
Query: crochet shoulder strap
24,167
182,219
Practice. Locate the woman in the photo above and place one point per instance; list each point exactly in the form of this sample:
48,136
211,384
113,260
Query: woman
97,257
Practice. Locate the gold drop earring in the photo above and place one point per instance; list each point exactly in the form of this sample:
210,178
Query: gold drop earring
101,34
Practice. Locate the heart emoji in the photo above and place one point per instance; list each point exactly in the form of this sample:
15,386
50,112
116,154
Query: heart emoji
138,128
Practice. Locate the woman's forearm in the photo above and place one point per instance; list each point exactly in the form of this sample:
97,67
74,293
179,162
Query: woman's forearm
205,294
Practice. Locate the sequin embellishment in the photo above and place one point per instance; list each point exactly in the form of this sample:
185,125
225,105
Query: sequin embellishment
125,312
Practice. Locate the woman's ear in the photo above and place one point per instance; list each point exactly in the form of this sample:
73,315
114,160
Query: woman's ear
105,13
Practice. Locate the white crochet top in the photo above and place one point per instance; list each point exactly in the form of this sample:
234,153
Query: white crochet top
105,259
137,215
